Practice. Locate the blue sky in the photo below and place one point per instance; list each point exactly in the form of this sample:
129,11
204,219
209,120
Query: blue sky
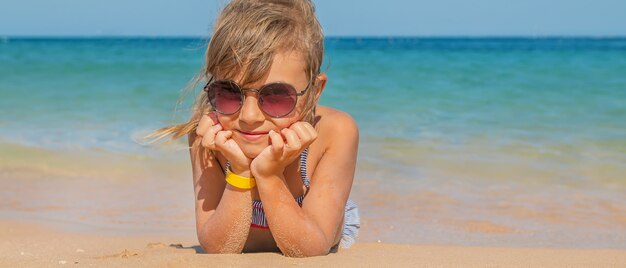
338,17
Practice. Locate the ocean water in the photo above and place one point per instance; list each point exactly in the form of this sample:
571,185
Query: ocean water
463,136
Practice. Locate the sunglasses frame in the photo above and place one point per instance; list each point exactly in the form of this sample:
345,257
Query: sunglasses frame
257,91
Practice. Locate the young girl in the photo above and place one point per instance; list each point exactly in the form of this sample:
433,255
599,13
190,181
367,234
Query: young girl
272,170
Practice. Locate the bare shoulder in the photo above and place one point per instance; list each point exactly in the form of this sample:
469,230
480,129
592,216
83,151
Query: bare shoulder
336,124
331,119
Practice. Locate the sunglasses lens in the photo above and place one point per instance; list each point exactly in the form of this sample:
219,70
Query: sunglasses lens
225,97
278,99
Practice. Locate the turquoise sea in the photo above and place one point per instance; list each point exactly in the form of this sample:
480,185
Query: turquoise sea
498,141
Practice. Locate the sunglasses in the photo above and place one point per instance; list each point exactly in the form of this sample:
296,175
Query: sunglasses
274,99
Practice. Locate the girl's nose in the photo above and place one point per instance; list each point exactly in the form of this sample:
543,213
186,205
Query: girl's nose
250,111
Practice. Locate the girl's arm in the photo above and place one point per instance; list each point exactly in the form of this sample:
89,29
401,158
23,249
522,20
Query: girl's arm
223,213
312,229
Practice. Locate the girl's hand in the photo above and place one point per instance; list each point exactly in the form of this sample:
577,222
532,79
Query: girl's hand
281,152
216,139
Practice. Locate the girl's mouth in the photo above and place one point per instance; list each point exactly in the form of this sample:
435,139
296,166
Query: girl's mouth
252,136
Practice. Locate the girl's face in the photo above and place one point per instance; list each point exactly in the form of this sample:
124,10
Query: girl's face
250,125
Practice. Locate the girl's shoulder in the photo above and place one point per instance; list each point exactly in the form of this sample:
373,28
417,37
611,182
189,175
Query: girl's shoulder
331,117
339,125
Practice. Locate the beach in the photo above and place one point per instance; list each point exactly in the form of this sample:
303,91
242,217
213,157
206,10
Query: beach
27,244
473,152
95,216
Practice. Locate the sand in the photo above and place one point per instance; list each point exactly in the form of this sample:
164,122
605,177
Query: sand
35,245
115,210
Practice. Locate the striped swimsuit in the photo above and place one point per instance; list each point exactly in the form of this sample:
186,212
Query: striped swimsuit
352,221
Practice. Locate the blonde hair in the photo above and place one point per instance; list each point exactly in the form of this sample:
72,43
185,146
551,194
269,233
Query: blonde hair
246,36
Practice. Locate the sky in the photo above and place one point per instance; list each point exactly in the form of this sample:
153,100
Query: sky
338,17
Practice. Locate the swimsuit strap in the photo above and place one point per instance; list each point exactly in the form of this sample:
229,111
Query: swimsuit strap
303,174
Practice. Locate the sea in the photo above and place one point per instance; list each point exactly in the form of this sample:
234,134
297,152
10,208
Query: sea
505,141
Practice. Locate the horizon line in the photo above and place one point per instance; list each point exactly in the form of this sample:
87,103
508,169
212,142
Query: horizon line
328,36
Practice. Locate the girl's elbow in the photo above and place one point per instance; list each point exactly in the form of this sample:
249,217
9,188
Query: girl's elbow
211,246
306,251
314,246
213,249
322,252
208,247
306,254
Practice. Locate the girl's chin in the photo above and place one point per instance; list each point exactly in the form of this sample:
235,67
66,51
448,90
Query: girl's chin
251,153
251,150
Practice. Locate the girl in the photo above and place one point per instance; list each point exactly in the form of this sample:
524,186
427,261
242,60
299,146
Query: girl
272,170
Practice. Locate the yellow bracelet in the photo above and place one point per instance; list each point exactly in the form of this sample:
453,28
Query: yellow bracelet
240,182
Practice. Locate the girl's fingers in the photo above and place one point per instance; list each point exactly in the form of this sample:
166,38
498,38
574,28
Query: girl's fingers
293,142
303,130
312,132
221,137
202,125
206,121
228,147
302,134
277,142
221,143
208,138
